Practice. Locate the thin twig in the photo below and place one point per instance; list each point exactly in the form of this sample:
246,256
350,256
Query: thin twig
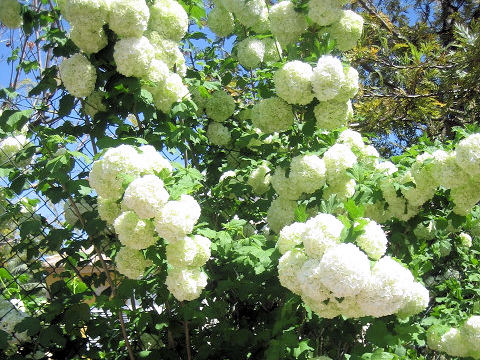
187,340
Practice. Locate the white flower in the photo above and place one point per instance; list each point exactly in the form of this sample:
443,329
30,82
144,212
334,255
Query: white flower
272,115
465,239
131,262
251,12
467,154
167,51
250,52
328,77
289,266
333,114
308,173
133,56
146,196
453,343
337,160
169,92
186,284
347,30
169,19
128,18
417,299
324,12
87,13
157,72
189,252
220,21
352,138
280,213
78,75
386,167
218,134
220,106
10,13
108,174
285,187
293,82
290,237
344,270
309,277
373,240
470,331
349,86
446,171
321,233
285,23
152,161
177,218
134,232
89,40
108,209
259,179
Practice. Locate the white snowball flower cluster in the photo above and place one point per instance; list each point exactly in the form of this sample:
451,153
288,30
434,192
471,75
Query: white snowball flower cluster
169,19
272,50
191,251
338,159
89,40
324,12
347,30
220,21
308,172
186,284
10,13
10,147
134,232
259,179
293,82
335,278
131,262
78,75
220,106
372,240
465,239
251,13
327,78
250,52
133,56
462,342
280,213
128,18
272,115
467,154
333,114
167,51
218,134
166,93
284,186
146,196
146,214
177,218
285,23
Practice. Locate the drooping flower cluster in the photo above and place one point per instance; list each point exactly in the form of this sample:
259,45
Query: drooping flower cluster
462,342
145,33
78,75
250,52
133,198
10,13
335,278
286,24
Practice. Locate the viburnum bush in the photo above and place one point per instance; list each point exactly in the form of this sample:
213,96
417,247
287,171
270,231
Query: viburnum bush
205,159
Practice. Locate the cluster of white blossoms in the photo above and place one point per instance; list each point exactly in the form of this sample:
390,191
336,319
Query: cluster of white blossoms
218,134
10,147
11,13
335,278
286,24
133,198
218,106
78,75
250,52
462,342
272,115
147,47
259,179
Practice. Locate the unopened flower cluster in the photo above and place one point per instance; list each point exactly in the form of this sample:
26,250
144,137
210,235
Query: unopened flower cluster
335,278
147,47
133,198
460,342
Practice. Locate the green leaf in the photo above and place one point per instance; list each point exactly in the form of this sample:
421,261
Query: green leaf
66,105
13,120
29,324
